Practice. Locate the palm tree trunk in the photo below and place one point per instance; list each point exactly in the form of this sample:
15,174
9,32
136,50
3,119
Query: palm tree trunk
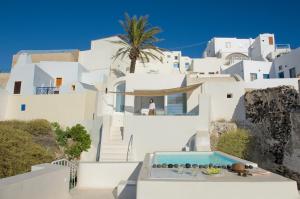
132,65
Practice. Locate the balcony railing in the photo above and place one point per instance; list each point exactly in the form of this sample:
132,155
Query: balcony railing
46,90
283,46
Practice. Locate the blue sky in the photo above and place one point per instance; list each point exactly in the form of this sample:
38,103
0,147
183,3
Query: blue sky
62,24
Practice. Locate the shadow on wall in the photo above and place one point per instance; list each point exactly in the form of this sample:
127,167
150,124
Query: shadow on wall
239,113
128,189
194,111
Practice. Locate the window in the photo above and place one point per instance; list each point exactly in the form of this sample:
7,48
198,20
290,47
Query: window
17,87
271,40
58,82
176,65
23,107
176,57
73,87
253,76
229,95
266,76
281,75
201,73
187,65
280,67
228,45
292,72
211,73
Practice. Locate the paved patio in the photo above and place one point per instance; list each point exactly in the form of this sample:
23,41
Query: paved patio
93,194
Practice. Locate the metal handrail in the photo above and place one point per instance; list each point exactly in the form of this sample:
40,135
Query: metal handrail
129,147
99,144
73,170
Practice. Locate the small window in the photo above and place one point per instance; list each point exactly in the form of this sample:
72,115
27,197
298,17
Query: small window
187,65
176,57
228,45
211,73
281,75
17,87
58,82
292,73
280,67
229,95
266,76
176,65
73,87
253,76
201,73
23,107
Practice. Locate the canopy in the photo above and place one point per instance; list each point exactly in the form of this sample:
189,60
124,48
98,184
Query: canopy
161,92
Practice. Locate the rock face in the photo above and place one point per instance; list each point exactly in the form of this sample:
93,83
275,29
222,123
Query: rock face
273,117
292,150
270,110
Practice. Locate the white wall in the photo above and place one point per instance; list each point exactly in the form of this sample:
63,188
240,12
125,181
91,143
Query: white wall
226,46
24,73
221,106
96,175
206,65
288,61
47,183
246,67
3,103
269,83
162,133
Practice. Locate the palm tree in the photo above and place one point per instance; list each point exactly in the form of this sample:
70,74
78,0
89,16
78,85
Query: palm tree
138,41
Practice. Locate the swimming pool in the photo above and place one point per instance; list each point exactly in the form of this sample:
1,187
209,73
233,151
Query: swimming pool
203,158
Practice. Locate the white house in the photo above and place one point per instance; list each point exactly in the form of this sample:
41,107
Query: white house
250,70
287,65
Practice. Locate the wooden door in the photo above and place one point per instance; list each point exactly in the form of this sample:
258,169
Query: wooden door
17,87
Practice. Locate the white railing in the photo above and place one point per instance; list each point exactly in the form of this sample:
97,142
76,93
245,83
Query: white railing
73,170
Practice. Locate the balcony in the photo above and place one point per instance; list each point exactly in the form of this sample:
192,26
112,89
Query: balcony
47,90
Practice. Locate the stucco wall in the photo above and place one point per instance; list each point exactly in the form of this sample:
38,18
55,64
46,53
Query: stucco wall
95,175
49,182
3,103
206,65
66,109
161,133
287,62
223,107
270,83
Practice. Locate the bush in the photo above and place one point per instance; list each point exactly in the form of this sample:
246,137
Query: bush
236,143
73,140
18,152
39,127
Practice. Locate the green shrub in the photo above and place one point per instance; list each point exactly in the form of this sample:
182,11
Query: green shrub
34,127
38,127
235,143
73,140
18,152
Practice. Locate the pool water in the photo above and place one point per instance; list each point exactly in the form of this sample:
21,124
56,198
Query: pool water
192,158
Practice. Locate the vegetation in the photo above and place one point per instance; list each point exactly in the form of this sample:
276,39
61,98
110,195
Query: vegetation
73,140
236,143
23,144
138,40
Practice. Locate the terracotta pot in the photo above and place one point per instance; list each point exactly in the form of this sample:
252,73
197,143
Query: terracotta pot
238,167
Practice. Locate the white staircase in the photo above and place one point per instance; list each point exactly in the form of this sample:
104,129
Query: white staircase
114,148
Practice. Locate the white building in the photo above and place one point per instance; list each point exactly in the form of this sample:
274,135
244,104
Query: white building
287,65
250,70
94,89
